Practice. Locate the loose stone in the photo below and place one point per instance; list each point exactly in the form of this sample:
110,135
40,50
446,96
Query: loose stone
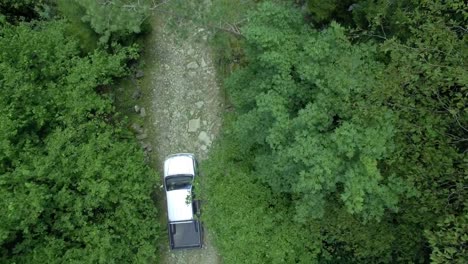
194,125
142,112
192,65
139,74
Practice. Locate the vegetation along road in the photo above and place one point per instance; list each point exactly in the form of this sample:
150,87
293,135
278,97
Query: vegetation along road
327,131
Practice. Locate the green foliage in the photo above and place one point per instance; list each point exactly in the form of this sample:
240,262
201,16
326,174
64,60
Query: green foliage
427,69
214,15
117,19
309,117
73,12
20,10
220,19
324,11
449,240
361,146
228,52
303,149
385,18
72,182
250,224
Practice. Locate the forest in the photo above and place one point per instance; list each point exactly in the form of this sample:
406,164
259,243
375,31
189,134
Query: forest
74,187
345,136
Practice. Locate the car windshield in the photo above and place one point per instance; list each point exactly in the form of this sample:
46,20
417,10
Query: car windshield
179,182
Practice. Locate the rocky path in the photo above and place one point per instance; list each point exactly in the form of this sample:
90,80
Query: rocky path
186,107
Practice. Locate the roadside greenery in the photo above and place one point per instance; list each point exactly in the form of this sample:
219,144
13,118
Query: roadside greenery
115,20
348,135
74,187
346,141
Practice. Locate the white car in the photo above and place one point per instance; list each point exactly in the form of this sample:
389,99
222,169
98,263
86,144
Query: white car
179,173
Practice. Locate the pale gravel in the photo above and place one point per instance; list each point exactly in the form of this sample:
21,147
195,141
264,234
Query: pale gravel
184,88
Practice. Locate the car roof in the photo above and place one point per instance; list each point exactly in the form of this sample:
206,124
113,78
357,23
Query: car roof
179,164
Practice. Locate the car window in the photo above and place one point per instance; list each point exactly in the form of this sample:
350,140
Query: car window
179,183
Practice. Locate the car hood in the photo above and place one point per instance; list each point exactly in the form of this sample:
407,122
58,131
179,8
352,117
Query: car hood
177,207
177,165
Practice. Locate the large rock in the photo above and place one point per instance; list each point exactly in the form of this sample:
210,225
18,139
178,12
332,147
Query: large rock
190,52
199,104
204,138
194,125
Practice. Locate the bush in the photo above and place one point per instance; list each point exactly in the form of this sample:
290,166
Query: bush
73,182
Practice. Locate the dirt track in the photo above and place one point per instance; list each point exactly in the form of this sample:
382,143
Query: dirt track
186,107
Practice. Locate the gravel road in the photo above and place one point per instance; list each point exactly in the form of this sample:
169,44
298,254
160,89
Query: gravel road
186,107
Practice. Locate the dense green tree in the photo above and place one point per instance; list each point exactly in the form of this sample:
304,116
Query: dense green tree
448,241
363,144
428,64
309,117
324,11
309,132
73,184
424,45
21,10
115,19
249,222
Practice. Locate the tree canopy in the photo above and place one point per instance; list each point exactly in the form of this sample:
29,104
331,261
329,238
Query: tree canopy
74,186
352,135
